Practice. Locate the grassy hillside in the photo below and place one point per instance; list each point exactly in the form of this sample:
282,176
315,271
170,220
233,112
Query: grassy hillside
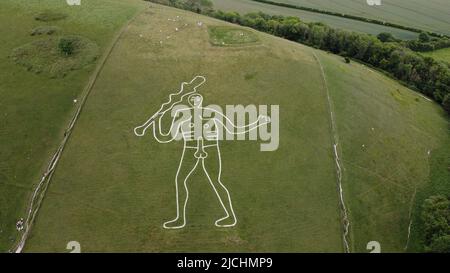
413,13
389,137
441,54
35,107
284,200
245,6
112,191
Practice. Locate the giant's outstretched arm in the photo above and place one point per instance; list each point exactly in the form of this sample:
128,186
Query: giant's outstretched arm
241,129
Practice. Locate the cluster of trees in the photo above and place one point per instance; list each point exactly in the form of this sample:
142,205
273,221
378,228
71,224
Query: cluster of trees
423,43
436,219
433,44
198,6
430,77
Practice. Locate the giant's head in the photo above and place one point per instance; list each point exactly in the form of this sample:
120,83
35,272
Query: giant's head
195,100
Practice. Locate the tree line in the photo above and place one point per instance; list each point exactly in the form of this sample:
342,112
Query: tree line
436,218
423,43
425,74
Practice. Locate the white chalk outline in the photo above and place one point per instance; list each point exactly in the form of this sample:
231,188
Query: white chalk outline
373,3
151,120
262,120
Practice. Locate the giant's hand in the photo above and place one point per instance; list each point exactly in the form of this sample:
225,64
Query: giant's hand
140,130
263,119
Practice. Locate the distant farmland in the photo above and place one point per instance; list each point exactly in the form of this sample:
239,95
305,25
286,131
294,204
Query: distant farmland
245,6
413,13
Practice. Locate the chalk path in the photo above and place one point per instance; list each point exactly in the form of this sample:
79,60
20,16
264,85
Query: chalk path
345,220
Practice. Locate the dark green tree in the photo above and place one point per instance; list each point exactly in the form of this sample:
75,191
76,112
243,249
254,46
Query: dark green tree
436,219
446,103
386,37
424,37
440,245
67,45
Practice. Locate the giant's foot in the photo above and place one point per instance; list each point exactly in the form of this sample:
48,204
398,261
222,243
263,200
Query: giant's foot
227,221
174,224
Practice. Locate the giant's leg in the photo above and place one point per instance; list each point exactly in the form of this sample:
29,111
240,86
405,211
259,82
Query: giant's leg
186,167
212,166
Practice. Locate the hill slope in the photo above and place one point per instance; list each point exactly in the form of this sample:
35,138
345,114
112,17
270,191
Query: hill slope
112,191
35,108
122,202
389,138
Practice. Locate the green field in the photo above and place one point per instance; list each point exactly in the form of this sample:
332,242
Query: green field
112,190
441,54
35,108
227,36
429,15
245,6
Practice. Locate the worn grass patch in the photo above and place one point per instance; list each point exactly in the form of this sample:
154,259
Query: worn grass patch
249,75
43,56
231,36
44,30
49,16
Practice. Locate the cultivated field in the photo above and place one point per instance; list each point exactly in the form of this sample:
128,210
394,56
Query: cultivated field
35,105
430,15
245,6
112,190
